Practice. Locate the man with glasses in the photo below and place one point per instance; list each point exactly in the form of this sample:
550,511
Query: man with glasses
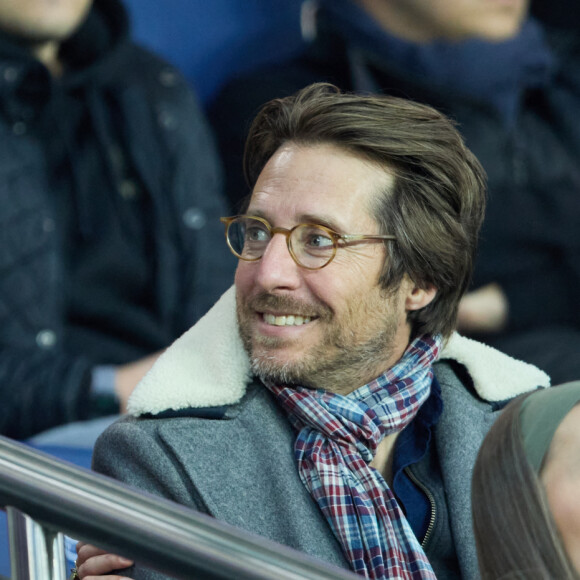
312,405
511,85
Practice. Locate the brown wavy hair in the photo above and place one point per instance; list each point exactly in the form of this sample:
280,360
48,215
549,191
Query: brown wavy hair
435,207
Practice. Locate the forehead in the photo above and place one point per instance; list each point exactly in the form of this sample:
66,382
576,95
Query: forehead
319,182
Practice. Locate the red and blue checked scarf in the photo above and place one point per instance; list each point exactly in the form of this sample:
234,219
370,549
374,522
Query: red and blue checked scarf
337,439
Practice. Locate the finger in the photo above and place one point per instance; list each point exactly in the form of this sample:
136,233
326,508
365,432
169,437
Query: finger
102,564
86,551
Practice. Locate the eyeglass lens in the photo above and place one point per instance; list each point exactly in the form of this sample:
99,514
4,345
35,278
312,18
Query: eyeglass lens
312,246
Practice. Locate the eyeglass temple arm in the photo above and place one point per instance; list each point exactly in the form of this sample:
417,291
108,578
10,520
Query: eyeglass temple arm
355,237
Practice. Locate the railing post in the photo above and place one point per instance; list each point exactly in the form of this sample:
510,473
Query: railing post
36,551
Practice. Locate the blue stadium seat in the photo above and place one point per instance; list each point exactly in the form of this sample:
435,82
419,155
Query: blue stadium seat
210,41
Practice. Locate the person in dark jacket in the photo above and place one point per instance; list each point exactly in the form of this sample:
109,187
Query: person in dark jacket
110,189
514,90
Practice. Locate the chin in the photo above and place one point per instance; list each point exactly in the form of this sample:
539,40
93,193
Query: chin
271,369
501,35
500,29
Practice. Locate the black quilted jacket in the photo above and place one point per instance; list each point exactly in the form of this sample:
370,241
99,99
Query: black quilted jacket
44,382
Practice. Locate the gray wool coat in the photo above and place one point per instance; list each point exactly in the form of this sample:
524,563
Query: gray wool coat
226,449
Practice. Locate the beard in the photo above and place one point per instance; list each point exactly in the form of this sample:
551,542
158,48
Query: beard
353,350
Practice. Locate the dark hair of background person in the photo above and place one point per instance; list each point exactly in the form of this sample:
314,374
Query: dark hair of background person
437,203
515,533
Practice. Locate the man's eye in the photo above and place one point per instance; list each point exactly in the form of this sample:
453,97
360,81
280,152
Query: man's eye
257,234
318,240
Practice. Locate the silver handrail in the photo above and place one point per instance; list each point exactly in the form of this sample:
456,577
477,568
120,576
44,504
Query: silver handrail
155,532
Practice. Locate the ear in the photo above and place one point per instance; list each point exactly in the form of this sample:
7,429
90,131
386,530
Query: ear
418,298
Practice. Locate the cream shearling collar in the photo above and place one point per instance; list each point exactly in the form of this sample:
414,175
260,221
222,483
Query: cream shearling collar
207,366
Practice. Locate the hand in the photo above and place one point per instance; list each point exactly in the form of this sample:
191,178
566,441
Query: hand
95,564
484,310
127,376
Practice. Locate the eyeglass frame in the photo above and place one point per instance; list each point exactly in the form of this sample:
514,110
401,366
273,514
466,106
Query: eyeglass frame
335,236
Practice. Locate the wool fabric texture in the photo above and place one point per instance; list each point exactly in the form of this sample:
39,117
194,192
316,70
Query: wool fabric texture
338,436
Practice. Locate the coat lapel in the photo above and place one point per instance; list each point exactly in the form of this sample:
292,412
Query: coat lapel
458,436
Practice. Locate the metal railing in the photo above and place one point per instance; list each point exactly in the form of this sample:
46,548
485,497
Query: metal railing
60,498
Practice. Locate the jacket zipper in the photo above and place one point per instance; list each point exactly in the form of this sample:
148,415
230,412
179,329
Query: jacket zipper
431,501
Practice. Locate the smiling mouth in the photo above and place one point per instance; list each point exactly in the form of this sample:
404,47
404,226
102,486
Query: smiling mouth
285,319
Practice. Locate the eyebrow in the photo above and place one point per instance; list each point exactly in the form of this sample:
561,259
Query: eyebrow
326,221
308,218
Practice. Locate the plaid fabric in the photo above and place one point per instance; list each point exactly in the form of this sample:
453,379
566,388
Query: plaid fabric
337,439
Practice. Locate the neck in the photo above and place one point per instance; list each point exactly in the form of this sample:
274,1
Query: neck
48,54
383,460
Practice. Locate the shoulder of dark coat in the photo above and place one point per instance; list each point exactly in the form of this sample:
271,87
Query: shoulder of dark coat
566,43
138,67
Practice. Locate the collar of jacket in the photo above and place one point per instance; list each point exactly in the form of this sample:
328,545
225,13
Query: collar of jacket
91,53
208,367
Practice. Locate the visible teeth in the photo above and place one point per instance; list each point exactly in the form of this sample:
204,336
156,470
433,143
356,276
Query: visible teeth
287,320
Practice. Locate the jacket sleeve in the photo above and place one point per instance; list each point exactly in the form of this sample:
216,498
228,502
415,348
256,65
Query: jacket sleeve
543,299
533,256
132,454
178,159
40,390
529,243
197,175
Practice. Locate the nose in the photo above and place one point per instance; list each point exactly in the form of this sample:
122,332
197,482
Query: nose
276,269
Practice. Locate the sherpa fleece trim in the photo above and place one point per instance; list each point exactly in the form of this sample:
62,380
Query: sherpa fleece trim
208,366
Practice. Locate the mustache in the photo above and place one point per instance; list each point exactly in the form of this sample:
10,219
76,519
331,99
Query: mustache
263,302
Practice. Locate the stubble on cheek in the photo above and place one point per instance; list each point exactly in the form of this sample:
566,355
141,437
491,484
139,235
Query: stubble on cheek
272,358
344,355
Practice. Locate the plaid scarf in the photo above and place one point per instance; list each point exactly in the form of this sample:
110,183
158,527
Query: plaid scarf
337,439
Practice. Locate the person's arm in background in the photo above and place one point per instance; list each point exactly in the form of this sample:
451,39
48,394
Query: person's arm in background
46,389
40,390
484,310
542,298
126,378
